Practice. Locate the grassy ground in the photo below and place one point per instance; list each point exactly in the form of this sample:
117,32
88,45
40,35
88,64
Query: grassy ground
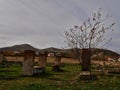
11,79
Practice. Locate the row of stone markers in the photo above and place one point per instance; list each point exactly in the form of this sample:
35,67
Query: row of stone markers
28,63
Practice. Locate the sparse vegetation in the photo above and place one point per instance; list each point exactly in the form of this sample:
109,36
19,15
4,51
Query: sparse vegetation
68,79
11,79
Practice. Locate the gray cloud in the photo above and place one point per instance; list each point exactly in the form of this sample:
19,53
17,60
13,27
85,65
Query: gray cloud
42,22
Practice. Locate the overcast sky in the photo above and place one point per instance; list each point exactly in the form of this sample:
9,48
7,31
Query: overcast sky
42,23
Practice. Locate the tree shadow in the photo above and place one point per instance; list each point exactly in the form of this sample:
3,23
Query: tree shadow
42,75
3,77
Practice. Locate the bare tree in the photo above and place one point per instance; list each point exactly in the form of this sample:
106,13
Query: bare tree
88,35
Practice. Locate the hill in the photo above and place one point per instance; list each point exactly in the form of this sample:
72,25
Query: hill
20,47
67,52
96,52
51,49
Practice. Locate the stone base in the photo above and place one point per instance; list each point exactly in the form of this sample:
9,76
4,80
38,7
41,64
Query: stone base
85,75
38,70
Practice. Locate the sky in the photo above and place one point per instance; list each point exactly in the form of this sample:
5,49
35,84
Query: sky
42,23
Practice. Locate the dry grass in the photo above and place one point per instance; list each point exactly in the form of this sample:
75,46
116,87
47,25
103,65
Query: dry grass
49,59
107,63
19,59
67,61
63,60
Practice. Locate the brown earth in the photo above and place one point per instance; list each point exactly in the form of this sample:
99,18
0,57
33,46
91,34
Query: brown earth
49,59
67,61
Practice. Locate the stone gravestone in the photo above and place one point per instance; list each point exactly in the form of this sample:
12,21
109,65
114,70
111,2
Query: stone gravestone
28,62
43,60
86,62
1,57
56,66
42,63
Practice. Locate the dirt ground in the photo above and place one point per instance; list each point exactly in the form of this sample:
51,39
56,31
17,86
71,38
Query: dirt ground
66,60
49,59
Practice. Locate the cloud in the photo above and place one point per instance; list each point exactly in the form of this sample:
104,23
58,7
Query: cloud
42,22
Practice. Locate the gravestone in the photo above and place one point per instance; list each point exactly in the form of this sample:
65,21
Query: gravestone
86,62
42,60
28,62
1,57
57,63
42,63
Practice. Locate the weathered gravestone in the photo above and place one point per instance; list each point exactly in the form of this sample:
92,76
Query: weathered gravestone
1,57
57,63
86,62
28,62
42,60
86,65
42,63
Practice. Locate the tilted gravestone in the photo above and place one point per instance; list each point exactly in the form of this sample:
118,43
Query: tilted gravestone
28,62
42,63
86,62
57,63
